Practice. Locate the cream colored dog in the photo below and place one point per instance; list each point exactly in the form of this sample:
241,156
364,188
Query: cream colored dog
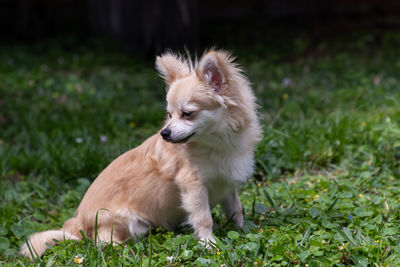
199,159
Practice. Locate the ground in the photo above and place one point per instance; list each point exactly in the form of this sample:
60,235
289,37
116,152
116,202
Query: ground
326,191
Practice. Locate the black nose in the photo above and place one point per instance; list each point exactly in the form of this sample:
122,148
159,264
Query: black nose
166,133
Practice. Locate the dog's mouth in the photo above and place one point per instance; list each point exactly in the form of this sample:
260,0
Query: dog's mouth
184,140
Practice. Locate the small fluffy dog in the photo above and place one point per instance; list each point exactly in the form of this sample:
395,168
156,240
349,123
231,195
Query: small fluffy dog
197,160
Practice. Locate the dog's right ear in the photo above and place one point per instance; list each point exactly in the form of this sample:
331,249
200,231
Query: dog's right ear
172,67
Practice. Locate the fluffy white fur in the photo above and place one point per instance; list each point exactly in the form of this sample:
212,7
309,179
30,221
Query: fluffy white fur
199,159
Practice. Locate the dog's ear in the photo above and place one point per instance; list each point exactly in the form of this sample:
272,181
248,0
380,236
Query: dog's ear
211,70
172,67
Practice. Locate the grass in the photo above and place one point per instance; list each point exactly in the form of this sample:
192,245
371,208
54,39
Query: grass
327,182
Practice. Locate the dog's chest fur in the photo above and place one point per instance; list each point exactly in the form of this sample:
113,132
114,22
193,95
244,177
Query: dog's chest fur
222,171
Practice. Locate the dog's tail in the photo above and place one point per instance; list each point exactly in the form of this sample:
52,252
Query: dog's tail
36,245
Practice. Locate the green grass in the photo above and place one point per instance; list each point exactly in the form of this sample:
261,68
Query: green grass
326,191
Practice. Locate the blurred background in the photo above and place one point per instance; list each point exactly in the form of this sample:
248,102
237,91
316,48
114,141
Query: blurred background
151,26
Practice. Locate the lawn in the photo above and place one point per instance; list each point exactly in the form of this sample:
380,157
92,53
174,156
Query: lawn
326,191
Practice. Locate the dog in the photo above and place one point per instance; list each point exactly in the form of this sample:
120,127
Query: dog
199,158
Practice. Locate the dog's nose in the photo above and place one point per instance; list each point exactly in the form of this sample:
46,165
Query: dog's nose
166,133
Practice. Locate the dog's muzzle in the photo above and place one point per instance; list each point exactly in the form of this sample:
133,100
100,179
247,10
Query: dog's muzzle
184,140
166,135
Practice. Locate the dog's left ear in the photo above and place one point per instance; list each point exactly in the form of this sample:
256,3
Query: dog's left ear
210,71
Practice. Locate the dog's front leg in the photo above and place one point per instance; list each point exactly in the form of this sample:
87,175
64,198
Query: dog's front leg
232,207
194,196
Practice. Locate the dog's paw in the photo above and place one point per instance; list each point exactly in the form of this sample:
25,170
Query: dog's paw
208,241
238,220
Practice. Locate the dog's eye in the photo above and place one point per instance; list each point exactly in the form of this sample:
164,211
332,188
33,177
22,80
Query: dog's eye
186,114
169,115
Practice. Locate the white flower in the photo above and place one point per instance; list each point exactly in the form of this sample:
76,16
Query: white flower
78,260
79,140
170,258
286,81
103,138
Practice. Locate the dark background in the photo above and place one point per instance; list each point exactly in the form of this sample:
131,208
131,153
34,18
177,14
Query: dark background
149,27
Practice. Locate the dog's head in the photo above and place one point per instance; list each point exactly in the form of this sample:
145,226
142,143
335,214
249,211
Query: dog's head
202,99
